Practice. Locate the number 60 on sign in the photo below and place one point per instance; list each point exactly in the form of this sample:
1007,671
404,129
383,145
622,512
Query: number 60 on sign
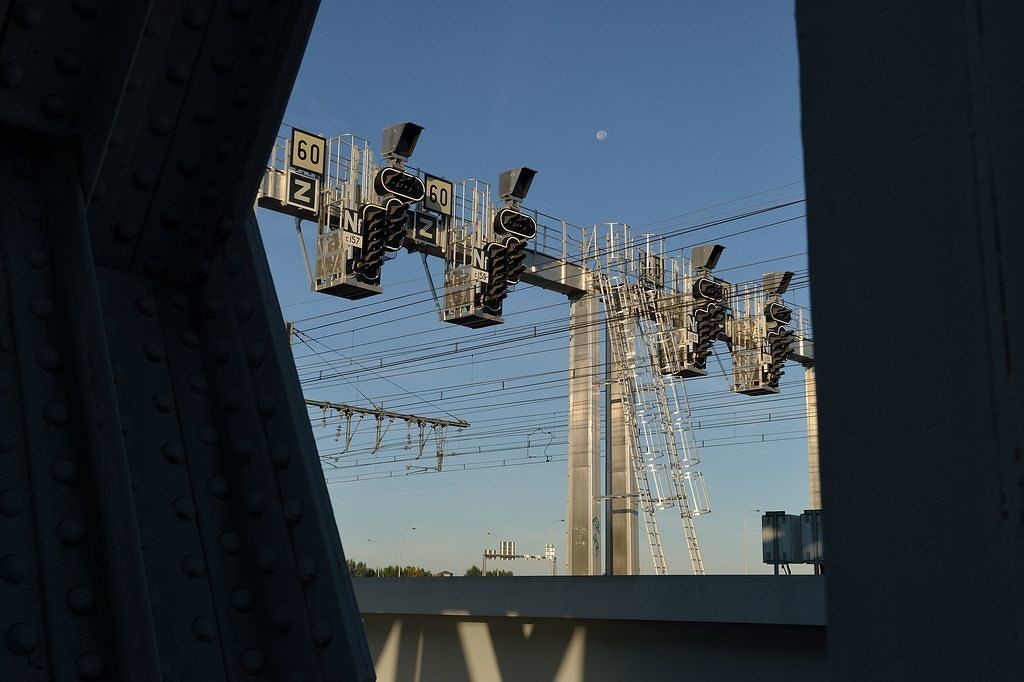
438,195
308,151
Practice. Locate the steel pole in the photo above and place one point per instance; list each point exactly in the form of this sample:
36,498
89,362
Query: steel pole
609,536
746,565
813,471
582,518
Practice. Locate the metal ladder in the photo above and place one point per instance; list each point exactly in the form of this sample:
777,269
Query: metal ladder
676,433
661,440
639,438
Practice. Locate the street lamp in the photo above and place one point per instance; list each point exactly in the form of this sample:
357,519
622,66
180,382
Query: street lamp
375,554
483,563
745,539
483,569
401,540
554,560
551,524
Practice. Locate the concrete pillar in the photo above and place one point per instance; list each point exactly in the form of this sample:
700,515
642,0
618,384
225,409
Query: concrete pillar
583,525
813,472
625,512
914,160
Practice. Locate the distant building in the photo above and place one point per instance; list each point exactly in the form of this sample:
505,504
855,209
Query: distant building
444,574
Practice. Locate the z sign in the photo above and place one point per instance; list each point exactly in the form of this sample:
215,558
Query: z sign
303,191
426,229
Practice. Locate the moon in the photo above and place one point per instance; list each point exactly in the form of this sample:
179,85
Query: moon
601,135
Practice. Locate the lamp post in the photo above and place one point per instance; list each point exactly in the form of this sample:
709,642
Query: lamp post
377,570
401,540
551,524
483,563
746,570
555,561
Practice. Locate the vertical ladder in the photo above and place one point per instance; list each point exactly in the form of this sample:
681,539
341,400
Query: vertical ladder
681,466
687,475
621,325
643,334
674,425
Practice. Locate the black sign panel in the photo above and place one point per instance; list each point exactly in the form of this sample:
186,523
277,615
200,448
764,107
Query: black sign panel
303,191
426,229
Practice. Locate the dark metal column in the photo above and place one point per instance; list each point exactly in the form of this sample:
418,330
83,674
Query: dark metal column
163,514
914,155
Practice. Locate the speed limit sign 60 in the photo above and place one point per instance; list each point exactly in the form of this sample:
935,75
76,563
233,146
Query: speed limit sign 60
438,195
308,151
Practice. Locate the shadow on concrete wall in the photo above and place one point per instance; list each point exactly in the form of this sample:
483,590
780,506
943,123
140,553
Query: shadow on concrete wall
454,648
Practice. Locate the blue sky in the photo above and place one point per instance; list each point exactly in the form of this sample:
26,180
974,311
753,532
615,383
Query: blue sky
700,104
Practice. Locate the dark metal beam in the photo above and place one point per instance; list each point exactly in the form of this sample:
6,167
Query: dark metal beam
164,511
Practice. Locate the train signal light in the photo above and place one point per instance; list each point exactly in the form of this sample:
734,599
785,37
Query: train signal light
703,314
707,289
512,229
475,293
779,338
496,288
397,182
506,257
708,318
370,258
397,189
777,314
395,224
516,260
780,345
511,221
399,141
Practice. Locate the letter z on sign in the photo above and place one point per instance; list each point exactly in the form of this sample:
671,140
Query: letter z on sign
303,191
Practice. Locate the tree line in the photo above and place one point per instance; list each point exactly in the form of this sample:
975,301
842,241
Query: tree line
359,569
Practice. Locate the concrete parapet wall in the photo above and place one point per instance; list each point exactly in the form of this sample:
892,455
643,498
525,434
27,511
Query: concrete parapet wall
574,629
